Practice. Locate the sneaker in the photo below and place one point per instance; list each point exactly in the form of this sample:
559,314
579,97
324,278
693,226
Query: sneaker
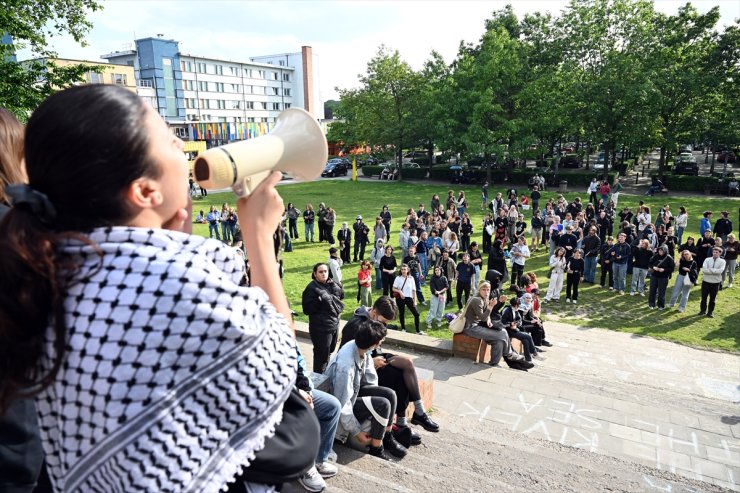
312,481
680,310
422,333
379,452
425,422
652,307
567,300
632,293
701,312
391,445
429,326
575,302
710,315
326,469
729,285
642,294
332,455
611,288
621,292
661,308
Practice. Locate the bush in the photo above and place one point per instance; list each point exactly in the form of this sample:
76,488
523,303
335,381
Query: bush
414,173
683,183
421,161
371,170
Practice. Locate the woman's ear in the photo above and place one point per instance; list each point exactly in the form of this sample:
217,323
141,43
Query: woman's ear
144,193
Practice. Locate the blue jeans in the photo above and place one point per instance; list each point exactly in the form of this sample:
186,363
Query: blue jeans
378,278
424,266
680,290
620,276
213,228
589,271
679,234
327,408
419,294
225,232
309,229
638,280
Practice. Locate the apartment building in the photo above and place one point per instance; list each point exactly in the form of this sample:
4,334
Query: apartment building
214,99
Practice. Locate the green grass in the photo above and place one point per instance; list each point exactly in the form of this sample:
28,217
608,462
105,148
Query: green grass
597,307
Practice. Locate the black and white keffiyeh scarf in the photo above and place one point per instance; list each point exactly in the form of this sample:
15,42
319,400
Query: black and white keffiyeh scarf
174,375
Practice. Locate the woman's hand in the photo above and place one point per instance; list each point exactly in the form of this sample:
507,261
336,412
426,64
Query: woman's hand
364,438
261,211
379,362
307,396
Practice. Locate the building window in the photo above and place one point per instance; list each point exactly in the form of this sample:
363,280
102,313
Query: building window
287,105
119,79
95,78
248,72
200,68
219,69
236,105
146,83
264,120
286,77
202,85
276,91
250,105
263,105
260,74
276,106
221,104
275,76
219,87
286,91
282,63
234,71
250,119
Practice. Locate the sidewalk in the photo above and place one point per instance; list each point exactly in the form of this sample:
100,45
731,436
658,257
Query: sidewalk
632,398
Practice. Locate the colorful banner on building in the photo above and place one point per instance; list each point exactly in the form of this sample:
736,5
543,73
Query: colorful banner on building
229,131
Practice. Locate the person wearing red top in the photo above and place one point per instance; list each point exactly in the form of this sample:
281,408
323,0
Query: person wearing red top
365,279
605,190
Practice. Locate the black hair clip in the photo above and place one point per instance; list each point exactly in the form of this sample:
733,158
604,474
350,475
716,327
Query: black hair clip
23,196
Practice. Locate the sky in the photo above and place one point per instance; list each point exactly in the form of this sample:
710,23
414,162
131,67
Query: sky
344,34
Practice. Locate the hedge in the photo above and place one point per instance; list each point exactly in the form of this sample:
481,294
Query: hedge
368,170
684,183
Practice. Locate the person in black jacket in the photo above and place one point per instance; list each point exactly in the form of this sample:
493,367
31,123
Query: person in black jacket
640,264
512,321
591,247
573,277
723,226
569,241
662,266
687,266
322,302
606,263
361,238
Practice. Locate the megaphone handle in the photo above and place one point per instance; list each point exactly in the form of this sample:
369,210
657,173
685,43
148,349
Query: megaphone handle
241,187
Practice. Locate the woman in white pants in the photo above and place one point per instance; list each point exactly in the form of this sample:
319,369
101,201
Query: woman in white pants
557,264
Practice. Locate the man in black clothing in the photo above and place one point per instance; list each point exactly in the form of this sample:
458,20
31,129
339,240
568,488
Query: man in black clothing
361,238
569,241
723,226
535,196
591,246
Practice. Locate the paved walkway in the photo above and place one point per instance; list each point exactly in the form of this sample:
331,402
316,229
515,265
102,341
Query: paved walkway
633,398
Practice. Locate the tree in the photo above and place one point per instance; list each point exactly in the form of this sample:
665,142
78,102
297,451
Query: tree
23,85
380,112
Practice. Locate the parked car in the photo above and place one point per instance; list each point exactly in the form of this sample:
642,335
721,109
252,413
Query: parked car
686,165
570,161
568,148
336,167
598,166
727,157
685,148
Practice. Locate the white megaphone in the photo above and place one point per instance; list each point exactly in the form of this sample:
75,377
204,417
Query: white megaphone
297,146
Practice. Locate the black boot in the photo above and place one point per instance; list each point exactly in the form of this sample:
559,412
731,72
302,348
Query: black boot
379,452
391,445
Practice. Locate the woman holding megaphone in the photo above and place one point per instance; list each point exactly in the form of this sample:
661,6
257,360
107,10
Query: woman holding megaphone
152,368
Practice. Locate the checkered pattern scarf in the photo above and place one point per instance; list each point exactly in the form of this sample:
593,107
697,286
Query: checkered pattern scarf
174,375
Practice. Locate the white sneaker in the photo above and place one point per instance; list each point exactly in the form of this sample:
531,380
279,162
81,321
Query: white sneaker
312,481
574,302
611,289
567,300
642,294
326,469
632,293
729,285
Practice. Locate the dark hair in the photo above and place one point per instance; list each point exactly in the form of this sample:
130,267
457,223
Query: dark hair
385,307
316,267
88,138
369,332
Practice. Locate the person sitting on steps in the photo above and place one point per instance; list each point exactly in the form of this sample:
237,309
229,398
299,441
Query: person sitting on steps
353,381
394,371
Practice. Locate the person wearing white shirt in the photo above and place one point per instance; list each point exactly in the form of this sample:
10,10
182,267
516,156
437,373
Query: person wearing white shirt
712,277
335,265
519,255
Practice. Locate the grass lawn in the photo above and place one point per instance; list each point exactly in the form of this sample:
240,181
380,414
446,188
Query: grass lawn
597,307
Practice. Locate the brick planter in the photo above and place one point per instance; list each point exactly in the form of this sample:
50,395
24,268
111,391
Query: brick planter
470,348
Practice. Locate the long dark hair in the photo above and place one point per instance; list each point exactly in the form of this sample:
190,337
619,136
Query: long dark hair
84,146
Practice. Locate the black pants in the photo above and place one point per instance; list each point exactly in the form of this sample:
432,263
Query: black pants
322,230
359,247
387,283
402,304
393,378
324,343
289,453
572,282
537,331
658,286
606,270
329,233
383,402
344,253
293,229
517,272
708,289
462,287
